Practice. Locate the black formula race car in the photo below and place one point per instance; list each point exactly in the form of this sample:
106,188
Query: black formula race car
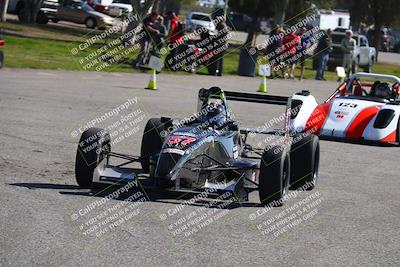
206,151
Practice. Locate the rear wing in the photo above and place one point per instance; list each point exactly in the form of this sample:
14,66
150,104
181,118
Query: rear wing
257,98
218,93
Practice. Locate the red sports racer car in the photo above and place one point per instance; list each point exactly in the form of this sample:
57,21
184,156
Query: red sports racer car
366,107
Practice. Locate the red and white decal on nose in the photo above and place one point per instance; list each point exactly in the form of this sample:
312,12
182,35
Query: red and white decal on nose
317,118
360,122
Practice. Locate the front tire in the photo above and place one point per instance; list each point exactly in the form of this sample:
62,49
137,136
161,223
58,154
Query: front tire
304,156
152,141
274,176
93,147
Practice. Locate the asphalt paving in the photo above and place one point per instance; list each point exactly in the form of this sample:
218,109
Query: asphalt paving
350,219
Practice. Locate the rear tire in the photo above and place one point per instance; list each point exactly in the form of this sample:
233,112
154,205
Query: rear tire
368,68
274,176
213,67
304,156
93,146
90,23
152,141
42,18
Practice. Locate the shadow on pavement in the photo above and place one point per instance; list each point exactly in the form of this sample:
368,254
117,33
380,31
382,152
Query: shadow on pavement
153,195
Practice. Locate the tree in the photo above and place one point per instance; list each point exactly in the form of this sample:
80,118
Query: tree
279,10
256,9
3,10
378,12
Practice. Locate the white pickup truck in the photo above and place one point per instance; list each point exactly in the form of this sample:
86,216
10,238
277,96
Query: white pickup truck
364,56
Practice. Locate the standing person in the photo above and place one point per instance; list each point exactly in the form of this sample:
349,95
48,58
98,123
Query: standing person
348,46
289,48
322,52
221,45
274,44
149,29
159,39
174,33
304,45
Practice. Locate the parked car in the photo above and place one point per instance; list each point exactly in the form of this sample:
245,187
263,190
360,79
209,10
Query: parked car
363,57
197,20
396,34
82,13
100,5
363,109
120,8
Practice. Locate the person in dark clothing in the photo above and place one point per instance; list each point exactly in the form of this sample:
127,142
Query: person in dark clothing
148,32
322,51
159,39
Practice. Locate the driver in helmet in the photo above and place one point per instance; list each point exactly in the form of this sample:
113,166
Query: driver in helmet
215,114
381,90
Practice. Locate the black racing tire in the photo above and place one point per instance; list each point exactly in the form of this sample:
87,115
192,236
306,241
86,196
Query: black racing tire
169,62
22,14
94,145
274,178
151,142
213,67
368,68
90,23
304,156
42,18
1,59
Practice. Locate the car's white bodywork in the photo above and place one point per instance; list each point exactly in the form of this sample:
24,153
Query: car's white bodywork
346,116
